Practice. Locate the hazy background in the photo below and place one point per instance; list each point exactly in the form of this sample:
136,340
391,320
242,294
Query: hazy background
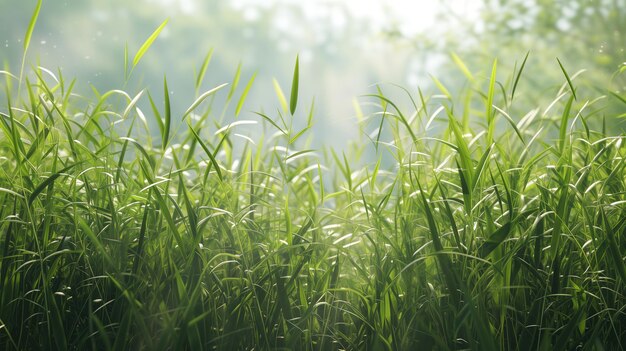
345,47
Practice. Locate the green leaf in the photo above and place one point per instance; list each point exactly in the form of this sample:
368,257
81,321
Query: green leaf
457,60
489,115
563,126
157,114
481,166
168,115
293,100
235,82
519,74
442,88
494,240
132,104
244,95
201,98
31,26
203,68
444,261
267,118
569,81
47,182
281,96
207,151
146,45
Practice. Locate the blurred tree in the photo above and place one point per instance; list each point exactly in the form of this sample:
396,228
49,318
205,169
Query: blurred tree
583,34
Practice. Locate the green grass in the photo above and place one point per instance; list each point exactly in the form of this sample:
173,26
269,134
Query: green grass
504,229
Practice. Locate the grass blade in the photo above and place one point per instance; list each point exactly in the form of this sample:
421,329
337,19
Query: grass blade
47,182
293,100
207,151
146,45
244,95
457,60
31,26
489,114
569,81
168,115
494,240
519,74
203,68
201,98
281,96
27,38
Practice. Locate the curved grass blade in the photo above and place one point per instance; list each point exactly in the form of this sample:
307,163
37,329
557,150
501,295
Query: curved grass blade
519,74
494,240
511,122
481,166
267,118
47,182
201,98
146,45
132,104
569,81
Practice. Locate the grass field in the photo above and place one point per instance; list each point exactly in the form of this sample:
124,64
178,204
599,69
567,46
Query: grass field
487,223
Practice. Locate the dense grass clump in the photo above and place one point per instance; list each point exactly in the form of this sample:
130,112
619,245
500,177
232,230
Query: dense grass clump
506,230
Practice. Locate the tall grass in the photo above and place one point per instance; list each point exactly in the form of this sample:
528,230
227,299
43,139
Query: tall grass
504,230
